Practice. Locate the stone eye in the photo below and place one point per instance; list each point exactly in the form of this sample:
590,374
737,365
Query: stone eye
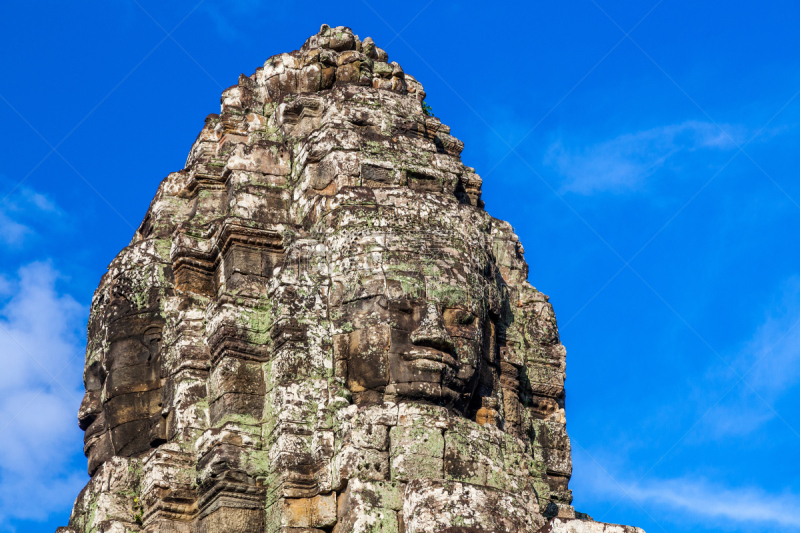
404,306
465,319
152,339
95,376
152,336
458,317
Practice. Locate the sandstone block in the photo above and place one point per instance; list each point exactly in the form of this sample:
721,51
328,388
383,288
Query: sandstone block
435,505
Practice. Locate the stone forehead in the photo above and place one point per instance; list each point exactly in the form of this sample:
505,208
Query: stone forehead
417,277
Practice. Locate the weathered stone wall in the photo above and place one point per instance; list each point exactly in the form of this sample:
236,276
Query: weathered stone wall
317,327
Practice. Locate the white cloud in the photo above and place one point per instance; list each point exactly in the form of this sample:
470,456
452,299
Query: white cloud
625,162
773,348
40,201
769,362
696,499
40,337
746,505
20,211
12,232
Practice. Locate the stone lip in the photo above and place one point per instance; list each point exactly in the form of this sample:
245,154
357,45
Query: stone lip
318,327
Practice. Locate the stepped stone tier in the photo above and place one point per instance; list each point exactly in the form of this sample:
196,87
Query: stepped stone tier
318,328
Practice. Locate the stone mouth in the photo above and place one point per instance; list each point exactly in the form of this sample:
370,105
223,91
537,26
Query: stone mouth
88,443
429,358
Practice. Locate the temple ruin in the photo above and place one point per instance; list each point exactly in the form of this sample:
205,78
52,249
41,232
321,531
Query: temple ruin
318,328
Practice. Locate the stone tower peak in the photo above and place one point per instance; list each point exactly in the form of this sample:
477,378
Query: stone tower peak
318,328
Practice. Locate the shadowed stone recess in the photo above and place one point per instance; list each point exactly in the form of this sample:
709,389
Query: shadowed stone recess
318,328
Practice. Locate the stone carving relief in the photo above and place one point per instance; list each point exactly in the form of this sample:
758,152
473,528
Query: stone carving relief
318,328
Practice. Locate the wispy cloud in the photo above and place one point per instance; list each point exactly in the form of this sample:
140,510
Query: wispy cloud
40,337
769,363
20,212
741,504
774,346
712,503
12,232
625,162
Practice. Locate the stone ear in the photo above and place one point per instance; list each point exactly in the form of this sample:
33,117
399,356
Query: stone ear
152,340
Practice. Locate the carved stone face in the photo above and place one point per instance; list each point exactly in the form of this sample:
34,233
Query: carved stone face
413,346
417,327
350,341
120,411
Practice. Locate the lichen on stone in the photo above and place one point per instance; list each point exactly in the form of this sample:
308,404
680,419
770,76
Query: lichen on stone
318,327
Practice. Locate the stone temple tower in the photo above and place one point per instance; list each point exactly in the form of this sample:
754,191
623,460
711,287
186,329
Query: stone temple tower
318,328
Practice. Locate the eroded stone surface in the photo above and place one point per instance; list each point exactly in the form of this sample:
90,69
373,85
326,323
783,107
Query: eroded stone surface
317,327
561,525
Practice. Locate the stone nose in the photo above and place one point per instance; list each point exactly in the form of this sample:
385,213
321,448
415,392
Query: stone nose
90,408
431,332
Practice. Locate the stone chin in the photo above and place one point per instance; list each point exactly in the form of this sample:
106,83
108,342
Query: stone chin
97,448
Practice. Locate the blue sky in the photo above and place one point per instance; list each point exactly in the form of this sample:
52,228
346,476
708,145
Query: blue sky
645,152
